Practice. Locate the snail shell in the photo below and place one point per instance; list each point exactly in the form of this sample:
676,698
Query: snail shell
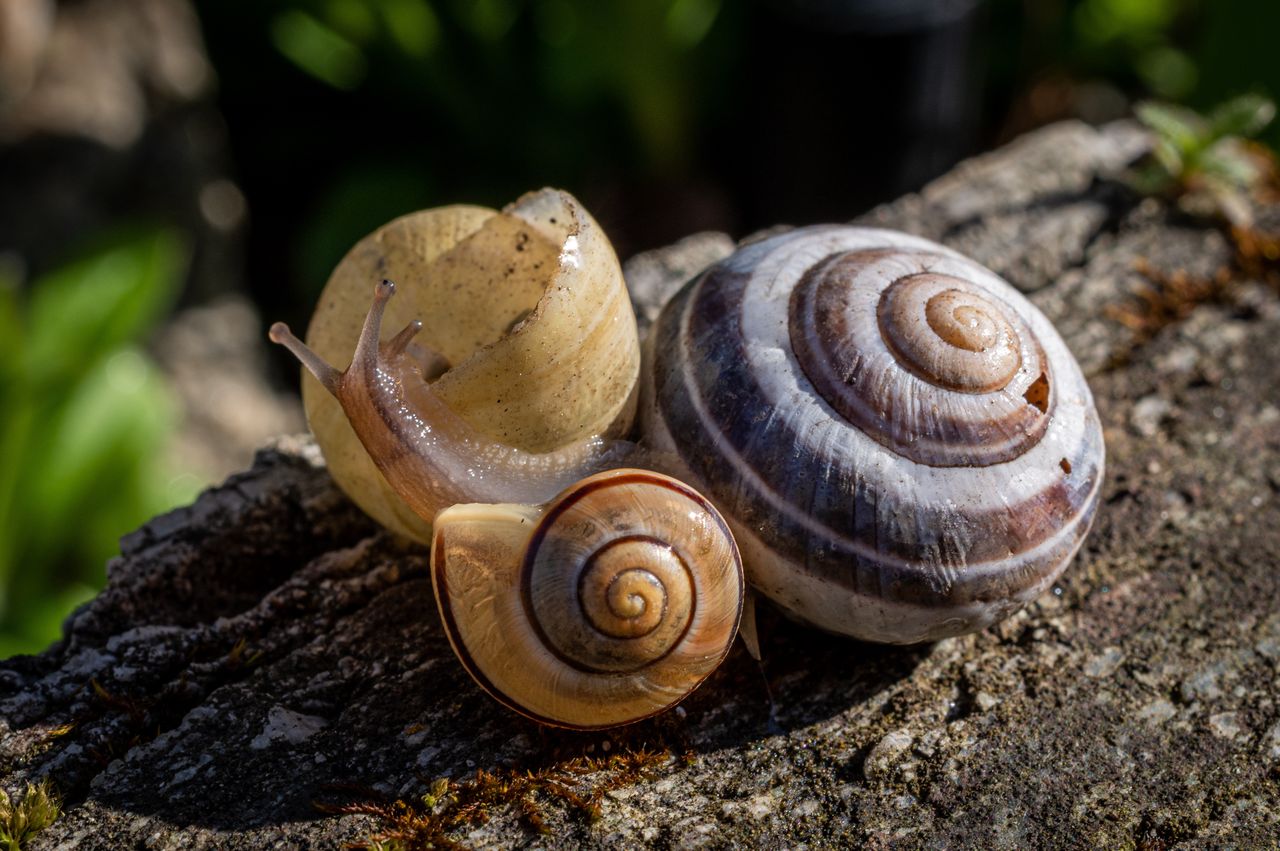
902,443
603,607
527,333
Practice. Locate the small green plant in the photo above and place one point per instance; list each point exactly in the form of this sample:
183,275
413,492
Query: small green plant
1205,161
1206,164
22,819
84,418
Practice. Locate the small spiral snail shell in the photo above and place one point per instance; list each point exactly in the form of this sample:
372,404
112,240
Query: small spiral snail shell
605,606
903,445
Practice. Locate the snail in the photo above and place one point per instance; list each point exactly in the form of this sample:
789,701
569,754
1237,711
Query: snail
903,446
576,594
527,336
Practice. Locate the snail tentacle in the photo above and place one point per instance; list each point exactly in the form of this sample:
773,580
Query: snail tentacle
316,365
399,344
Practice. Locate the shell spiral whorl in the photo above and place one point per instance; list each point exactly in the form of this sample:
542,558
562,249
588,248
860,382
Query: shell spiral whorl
878,331
904,446
608,583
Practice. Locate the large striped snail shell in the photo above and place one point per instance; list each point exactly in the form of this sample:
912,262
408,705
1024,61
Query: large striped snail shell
903,445
605,606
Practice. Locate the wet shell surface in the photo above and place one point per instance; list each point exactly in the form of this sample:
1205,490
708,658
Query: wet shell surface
902,443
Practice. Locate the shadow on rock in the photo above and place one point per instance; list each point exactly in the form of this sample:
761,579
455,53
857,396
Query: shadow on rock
329,680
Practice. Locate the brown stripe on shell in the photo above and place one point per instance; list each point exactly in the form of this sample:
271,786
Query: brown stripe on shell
986,348
561,653
440,579
583,606
720,363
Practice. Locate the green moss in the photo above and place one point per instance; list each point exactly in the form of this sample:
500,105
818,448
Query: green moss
33,812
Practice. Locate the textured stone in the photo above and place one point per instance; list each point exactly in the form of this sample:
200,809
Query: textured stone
268,648
653,276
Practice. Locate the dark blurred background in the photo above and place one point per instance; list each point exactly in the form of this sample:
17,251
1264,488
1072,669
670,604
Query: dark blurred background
173,171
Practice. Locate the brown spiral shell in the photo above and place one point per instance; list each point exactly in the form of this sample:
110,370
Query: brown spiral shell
607,605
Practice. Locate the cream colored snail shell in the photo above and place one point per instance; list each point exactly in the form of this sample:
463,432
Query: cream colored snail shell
606,606
527,335
903,445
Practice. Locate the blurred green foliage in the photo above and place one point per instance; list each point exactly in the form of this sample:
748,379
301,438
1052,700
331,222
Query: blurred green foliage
423,102
396,105
1189,145
1141,34
84,418
637,51
1203,160
1197,52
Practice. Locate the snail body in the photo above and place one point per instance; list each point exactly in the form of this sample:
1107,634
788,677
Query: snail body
428,454
903,445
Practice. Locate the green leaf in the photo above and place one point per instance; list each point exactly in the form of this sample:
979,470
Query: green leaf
22,819
17,425
1181,127
1102,21
1168,71
115,418
86,309
11,330
1169,158
318,49
83,426
1244,116
1229,161
413,25
688,21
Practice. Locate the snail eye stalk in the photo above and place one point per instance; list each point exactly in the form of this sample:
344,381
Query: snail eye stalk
329,377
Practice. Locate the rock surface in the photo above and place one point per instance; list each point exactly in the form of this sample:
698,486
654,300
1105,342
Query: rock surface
266,668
